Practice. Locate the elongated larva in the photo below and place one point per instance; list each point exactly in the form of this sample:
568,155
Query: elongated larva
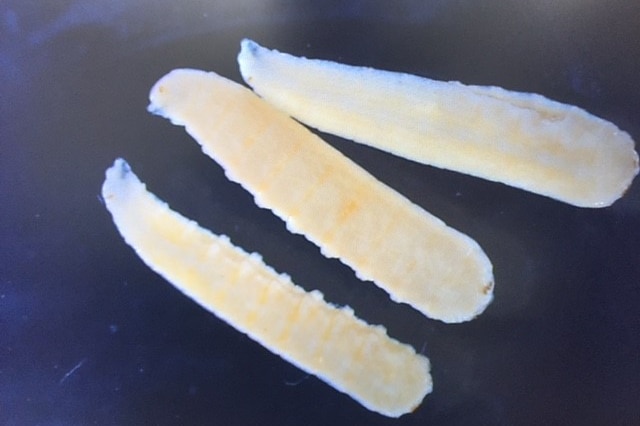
325,196
520,139
381,373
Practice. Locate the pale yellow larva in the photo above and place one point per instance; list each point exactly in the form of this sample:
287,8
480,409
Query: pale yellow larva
323,195
520,139
381,373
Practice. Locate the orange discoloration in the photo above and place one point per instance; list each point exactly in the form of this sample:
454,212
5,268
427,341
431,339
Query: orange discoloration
329,199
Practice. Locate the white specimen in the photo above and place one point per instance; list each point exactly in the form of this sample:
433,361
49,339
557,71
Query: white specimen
520,139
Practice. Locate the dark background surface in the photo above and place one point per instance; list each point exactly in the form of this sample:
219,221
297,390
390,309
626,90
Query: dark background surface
89,335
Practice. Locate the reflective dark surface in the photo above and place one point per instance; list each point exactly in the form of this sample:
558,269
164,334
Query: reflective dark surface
89,335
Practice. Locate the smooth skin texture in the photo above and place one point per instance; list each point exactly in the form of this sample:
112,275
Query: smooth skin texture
329,199
358,359
520,139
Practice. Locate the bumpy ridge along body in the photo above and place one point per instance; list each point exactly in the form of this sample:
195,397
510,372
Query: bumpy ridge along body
381,373
325,196
520,139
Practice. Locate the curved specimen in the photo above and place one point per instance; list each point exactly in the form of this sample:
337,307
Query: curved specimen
381,373
323,195
520,139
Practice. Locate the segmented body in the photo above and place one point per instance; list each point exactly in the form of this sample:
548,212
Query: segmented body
520,139
325,196
361,360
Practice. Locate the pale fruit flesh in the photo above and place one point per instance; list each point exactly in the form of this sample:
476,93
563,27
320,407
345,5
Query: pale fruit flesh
358,359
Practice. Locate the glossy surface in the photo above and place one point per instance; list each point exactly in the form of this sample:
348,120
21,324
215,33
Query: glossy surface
89,335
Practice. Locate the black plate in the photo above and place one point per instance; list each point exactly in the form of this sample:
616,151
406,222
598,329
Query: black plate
89,335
